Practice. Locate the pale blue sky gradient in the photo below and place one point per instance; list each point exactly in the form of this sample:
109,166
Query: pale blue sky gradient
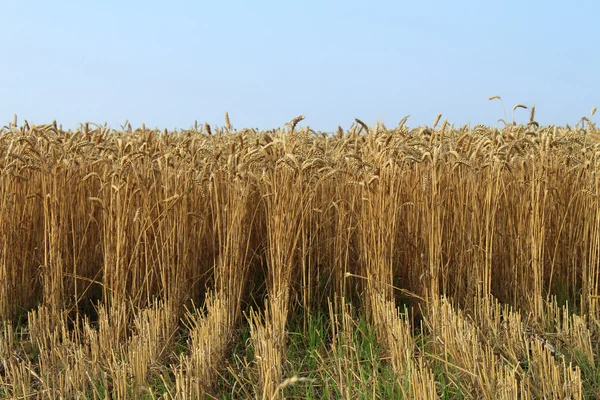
265,62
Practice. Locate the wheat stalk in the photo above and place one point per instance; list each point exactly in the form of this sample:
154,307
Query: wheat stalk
295,122
227,122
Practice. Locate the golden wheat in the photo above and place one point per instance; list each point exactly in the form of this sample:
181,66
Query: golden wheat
129,258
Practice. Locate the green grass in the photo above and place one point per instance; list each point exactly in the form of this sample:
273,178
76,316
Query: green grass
310,357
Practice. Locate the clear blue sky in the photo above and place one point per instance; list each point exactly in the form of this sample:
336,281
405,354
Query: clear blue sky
168,63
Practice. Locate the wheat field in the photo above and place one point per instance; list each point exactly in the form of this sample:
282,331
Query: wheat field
430,262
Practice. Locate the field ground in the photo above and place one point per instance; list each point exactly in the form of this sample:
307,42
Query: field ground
432,262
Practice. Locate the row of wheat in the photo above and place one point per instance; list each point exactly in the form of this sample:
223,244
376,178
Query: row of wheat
117,248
